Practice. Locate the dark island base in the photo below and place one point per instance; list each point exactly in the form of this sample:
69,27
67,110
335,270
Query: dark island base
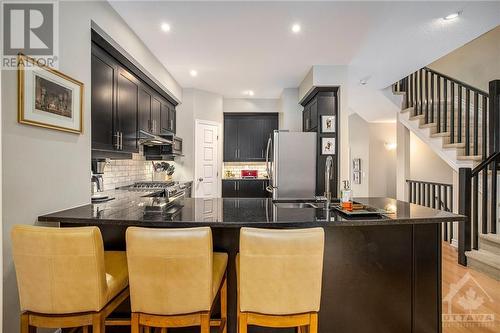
384,278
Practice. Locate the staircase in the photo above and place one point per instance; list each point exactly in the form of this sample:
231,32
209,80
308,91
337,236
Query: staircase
461,124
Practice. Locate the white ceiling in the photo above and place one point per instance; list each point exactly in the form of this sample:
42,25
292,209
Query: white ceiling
237,46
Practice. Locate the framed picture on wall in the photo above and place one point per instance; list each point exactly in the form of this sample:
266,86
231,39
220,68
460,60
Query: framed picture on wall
48,98
356,177
356,164
327,124
327,146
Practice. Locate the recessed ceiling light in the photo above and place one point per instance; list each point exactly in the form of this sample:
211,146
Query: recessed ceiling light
165,27
452,16
249,92
296,28
193,73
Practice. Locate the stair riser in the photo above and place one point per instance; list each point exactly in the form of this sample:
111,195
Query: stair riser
484,268
487,245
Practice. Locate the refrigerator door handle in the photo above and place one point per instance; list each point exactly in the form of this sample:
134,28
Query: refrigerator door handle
268,169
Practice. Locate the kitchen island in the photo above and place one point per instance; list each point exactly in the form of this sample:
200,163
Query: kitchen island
381,274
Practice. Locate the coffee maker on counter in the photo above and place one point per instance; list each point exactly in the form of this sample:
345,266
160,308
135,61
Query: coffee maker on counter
98,166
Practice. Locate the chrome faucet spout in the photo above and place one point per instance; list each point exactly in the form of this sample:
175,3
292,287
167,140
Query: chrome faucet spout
328,177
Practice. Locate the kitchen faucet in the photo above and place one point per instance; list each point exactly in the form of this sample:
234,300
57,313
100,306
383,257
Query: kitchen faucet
328,177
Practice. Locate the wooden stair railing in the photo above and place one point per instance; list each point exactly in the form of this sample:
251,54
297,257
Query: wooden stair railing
453,106
467,114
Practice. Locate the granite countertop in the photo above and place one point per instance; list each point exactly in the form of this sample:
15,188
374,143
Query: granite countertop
133,209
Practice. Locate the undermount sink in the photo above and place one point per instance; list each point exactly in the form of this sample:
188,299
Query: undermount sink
298,205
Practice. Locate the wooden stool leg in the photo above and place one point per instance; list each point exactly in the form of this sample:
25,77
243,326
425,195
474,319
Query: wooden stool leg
85,329
134,322
313,324
242,325
205,323
97,324
223,304
25,323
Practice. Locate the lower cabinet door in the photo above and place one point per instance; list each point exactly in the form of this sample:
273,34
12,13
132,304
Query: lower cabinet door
251,189
229,188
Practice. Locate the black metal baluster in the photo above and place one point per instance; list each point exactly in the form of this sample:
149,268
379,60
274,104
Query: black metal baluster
476,124
493,202
432,99
445,105
427,94
410,192
451,209
414,192
433,196
452,113
439,195
459,127
407,91
421,84
484,134
421,194
484,200
467,121
439,101
410,89
475,218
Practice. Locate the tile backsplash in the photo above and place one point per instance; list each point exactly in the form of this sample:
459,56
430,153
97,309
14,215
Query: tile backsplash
124,172
236,167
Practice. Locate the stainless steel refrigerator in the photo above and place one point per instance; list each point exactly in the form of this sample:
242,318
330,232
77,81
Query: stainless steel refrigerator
291,165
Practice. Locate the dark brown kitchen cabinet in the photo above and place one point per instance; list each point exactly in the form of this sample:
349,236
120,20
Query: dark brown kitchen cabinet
310,116
155,115
246,135
244,188
124,101
144,111
103,71
126,109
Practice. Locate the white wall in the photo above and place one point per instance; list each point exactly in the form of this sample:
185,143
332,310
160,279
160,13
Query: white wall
46,170
475,63
426,165
382,161
290,110
197,104
378,164
251,105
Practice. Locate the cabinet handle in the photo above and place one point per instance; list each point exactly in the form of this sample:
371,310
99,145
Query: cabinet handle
235,186
121,140
117,140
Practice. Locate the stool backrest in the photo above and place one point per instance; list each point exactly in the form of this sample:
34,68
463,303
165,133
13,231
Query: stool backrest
170,270
59,270
280,270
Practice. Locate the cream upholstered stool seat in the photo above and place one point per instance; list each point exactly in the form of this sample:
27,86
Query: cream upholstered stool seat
65,278
175,278
279,278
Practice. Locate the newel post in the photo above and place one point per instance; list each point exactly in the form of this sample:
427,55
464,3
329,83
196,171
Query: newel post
464,208
494,117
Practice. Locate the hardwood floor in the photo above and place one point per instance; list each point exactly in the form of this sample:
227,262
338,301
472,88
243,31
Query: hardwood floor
474,297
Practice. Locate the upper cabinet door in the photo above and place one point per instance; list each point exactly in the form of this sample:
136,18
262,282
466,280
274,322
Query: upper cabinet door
249,138
165,117
126,105
144,112
313,114
104,73
172,119
155,115
230,139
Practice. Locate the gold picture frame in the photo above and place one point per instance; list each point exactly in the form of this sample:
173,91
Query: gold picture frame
62,110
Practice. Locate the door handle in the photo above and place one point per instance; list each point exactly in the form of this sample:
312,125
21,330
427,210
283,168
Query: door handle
200,179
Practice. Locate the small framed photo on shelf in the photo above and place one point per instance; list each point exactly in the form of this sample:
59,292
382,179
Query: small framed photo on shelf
327,124
356,177
356,164
327,146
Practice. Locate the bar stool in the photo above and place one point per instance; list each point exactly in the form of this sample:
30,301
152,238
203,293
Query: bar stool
279,278
175,278
65,278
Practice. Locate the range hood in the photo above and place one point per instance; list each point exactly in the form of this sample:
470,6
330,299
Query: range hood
148,139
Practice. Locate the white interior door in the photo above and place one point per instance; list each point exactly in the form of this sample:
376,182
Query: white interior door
207,164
